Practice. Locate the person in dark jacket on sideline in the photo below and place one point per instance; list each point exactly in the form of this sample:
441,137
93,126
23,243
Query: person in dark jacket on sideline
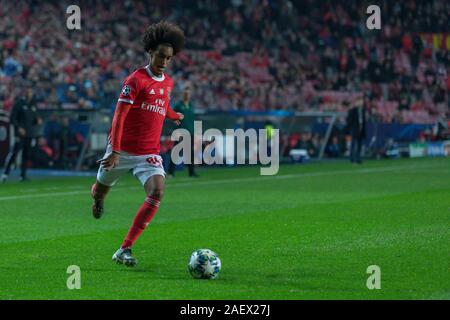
356,125
25,121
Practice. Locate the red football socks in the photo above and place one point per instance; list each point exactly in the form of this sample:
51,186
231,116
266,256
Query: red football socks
141,221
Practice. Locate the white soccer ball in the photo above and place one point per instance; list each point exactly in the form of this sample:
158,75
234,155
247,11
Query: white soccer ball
204,264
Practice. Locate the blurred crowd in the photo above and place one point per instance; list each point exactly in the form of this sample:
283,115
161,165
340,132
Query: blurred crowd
59,144
253,54
62,141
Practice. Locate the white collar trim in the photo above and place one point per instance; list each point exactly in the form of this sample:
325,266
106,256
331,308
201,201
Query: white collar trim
152,75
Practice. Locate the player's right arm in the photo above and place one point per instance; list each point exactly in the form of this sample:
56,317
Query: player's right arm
126,100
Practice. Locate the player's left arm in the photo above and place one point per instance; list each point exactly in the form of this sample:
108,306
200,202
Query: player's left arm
175,116
170,113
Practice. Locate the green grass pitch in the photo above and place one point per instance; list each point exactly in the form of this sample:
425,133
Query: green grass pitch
308,233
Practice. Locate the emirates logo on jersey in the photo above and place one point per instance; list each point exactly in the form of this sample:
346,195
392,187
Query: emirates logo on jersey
158,107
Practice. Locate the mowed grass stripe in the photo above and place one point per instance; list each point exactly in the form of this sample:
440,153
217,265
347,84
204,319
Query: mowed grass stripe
238,180
77,183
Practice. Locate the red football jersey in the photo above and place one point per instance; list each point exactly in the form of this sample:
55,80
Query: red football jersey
149,97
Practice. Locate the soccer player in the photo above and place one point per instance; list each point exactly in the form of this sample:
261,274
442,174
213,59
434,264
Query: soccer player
134,138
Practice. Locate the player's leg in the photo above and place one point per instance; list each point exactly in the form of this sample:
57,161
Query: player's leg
25,158
99,192
154,189
353,149
11,157
105,180
191,165
152,176
358,149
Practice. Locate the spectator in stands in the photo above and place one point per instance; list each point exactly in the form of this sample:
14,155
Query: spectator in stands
42,155
333,149
306,143
293,141
71,144
247,55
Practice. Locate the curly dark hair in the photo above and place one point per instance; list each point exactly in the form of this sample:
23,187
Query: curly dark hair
166,33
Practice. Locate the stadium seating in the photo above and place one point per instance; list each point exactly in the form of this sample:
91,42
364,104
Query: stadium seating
313,56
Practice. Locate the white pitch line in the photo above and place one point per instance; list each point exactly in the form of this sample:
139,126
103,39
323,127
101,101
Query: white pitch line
223,181
299,175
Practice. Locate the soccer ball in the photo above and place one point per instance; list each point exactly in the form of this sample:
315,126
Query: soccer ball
204,264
